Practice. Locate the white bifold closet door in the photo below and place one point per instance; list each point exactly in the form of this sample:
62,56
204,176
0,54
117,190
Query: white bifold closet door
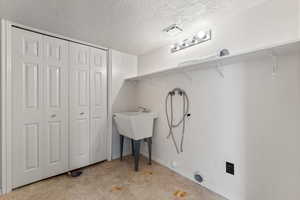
59,118
79,105
88,106
40,106
98,88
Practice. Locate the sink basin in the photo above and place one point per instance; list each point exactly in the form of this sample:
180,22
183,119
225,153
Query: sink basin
135,125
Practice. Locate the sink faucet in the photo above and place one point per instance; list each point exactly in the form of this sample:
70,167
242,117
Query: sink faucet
143,109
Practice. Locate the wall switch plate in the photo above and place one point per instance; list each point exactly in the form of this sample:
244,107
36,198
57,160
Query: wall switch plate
229,168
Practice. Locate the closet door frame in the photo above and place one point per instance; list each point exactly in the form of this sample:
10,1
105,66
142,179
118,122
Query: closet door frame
6,97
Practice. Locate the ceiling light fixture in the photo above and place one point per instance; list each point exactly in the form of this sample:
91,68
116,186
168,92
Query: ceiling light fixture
200,37
201,34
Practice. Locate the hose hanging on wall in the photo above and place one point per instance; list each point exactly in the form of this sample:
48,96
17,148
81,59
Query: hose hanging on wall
170,116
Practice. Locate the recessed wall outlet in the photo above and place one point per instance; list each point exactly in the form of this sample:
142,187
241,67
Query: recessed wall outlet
229,168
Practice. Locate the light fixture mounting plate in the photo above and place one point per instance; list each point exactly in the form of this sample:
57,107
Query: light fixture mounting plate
173,30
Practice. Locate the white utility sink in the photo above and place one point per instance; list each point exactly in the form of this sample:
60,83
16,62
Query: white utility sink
135,125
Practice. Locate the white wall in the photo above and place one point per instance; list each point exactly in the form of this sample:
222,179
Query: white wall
123,94
249,117
274,21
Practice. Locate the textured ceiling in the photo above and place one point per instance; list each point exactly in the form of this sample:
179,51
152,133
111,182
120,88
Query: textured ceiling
133,26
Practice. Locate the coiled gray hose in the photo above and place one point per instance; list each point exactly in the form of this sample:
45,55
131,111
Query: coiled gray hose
170,119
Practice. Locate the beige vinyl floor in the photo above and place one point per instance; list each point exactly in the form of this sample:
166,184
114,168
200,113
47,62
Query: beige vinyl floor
116,180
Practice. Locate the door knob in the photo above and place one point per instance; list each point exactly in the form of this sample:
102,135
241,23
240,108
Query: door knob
54,115
82,113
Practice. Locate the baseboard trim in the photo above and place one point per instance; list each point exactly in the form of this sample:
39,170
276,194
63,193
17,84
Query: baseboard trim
181,173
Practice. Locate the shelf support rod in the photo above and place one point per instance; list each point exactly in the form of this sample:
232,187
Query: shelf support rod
220,70
275,62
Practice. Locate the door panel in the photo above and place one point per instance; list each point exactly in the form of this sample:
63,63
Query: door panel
54,82
98,105
79,105
98,139
40,106
56,105
54,135
98,89
31,45
31,73
31,134
82,85
27,112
